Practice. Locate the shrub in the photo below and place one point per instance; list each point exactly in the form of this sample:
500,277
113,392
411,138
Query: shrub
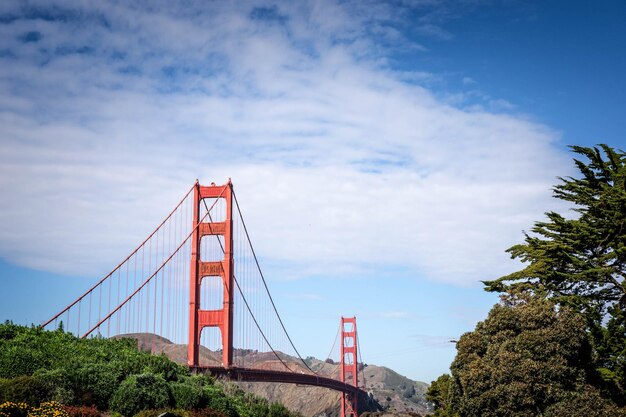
255,406
57,385
24,389
278,410
140,392
96,383
188,395
218,401
15,360
81,411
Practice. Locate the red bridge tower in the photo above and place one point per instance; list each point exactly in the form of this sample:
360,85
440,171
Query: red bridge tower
349,366
222,318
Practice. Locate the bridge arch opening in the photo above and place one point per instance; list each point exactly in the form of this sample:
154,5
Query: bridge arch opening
210,347
212,248
212,293
217,208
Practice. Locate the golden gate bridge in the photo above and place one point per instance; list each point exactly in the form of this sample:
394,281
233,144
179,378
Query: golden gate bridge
196,280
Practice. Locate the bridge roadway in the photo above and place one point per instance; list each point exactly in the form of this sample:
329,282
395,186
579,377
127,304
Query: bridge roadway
263,375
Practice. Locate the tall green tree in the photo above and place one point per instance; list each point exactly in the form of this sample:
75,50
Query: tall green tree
580,260
528,358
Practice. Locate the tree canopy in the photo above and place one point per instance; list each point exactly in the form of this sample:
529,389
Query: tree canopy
528,358
580,260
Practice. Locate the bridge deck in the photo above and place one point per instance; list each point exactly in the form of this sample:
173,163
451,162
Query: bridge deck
263,375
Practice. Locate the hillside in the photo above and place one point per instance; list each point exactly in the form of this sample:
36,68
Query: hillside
388,390
56,373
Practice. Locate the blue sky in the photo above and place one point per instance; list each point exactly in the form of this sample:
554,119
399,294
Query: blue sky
390,151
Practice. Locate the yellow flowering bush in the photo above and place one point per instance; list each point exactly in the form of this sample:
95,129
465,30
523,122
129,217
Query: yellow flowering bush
11,409
48,409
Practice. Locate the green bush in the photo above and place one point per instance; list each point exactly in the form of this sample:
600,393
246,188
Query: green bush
95,384
188,395
218,401
58,385
278,410
24,389
140,392
16,361
253,406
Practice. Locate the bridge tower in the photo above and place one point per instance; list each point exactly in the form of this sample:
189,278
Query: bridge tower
199,269
349,366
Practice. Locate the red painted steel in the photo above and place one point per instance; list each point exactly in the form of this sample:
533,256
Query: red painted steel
222,318
349,366
264,375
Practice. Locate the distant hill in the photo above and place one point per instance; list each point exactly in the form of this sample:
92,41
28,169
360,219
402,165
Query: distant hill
388,390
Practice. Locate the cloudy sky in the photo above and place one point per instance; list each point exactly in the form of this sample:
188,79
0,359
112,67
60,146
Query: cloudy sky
385,154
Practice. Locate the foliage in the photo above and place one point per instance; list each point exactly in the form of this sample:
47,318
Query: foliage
57,385
190,394
98,382
526,356
277,410
585,403
218,401
23,389
81,411
141,392
580,262
439,394
88,375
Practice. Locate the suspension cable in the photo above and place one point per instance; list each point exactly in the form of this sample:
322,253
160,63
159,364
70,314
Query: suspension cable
358,346
121,263
241,292
257,324
331,350
265,284
149,278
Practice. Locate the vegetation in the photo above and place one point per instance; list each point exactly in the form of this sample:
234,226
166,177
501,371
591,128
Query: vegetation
556,344
581,262
526,358
55,373
439,394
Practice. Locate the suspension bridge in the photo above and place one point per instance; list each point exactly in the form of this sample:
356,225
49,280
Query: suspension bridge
196,281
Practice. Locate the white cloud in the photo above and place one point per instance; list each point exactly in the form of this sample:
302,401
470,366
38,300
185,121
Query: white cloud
341,166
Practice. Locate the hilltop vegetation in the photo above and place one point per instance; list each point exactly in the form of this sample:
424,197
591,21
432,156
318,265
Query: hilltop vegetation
38,366
556,344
